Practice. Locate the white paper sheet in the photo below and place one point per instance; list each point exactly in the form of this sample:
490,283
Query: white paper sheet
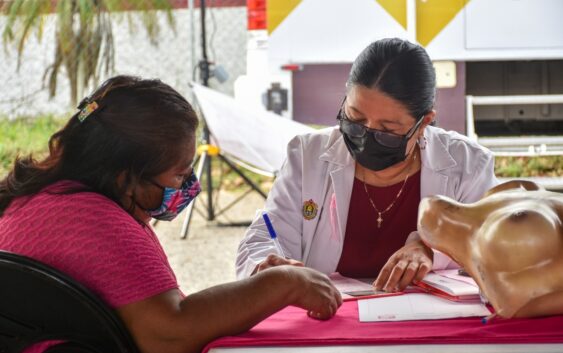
453,274
346,284
416,306
450,285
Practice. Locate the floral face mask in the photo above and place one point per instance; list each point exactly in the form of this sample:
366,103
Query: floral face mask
175,200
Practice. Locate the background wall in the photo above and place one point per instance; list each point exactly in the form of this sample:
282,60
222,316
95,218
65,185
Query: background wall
23,92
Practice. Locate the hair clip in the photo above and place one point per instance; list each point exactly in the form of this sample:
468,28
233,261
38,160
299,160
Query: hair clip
87,110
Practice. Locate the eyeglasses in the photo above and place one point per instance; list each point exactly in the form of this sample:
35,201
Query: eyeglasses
358,130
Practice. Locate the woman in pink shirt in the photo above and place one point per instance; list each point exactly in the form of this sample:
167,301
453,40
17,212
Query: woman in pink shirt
123,158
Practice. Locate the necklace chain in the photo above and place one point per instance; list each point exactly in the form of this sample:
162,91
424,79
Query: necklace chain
380,213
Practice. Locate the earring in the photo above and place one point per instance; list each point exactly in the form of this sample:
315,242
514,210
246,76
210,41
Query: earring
422,144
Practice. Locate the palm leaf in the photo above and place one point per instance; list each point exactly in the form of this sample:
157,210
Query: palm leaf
84,34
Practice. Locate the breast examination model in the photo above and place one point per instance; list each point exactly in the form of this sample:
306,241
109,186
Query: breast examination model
510,242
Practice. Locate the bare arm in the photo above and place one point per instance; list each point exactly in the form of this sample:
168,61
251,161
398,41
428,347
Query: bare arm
166,323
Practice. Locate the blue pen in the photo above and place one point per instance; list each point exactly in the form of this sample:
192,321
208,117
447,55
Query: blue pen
488,319
272,233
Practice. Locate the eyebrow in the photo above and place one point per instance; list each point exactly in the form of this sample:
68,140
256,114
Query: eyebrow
384,121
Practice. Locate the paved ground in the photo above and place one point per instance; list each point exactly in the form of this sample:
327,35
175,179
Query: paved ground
207,257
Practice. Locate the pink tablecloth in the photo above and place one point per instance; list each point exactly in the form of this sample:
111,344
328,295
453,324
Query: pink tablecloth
292,327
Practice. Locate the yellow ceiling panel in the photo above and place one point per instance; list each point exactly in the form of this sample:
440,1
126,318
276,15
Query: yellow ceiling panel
433,15
277,11
397,9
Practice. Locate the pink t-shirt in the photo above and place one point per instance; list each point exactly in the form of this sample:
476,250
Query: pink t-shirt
90,238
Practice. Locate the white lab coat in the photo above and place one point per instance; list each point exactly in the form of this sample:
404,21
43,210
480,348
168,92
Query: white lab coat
320,168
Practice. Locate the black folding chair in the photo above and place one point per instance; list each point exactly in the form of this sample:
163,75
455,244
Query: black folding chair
39,303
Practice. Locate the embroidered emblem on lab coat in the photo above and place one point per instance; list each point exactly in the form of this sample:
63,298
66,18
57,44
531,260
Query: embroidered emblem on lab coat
310,209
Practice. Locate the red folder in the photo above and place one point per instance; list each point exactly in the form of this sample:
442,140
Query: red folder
439,293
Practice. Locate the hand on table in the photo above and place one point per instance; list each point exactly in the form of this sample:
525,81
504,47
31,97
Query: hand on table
316,293
410,263
275,260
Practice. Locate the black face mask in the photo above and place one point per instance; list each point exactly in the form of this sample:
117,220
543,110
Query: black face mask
374,149
373,155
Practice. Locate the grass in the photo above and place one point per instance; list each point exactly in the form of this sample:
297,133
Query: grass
30,135
24,136
511,167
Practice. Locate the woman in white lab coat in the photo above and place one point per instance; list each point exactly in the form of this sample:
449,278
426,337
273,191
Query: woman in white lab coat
347,197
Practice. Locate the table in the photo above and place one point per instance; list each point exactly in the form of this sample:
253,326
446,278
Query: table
290,330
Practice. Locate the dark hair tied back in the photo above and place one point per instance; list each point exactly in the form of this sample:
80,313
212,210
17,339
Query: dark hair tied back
399,69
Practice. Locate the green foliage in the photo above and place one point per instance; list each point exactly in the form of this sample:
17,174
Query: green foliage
25,136
550,166
84,34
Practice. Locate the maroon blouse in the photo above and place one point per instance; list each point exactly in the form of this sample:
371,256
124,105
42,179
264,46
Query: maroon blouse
367,247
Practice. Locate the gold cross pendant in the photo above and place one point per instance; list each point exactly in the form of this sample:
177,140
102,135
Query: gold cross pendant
379,220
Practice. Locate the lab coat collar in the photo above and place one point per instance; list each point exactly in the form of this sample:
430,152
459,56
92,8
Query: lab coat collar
335,150
436,156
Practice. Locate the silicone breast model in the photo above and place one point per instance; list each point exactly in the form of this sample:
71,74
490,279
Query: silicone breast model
510,242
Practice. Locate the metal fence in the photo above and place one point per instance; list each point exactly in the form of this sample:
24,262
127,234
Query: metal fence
529,146
173,56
